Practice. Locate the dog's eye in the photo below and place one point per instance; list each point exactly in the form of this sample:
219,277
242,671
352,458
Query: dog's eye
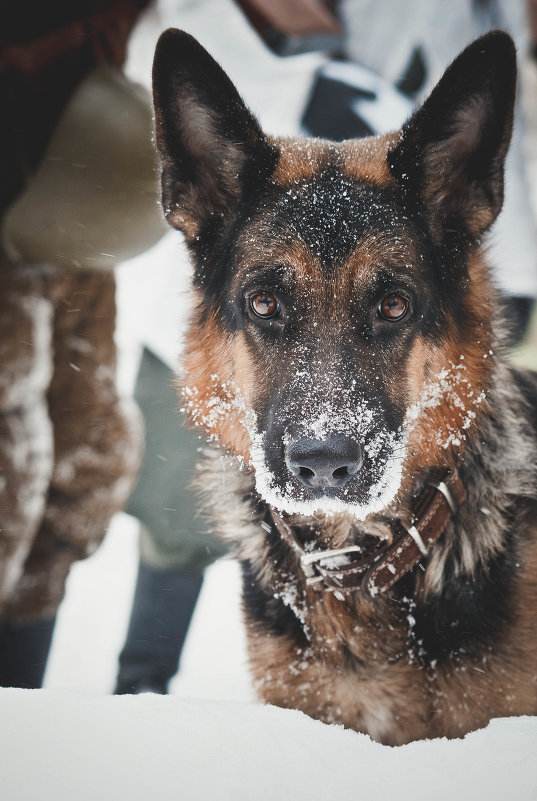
393,307
264,305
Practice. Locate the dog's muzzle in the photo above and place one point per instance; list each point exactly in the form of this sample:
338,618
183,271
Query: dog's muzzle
329,463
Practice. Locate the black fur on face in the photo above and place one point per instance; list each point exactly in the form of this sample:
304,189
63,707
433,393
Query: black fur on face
329,250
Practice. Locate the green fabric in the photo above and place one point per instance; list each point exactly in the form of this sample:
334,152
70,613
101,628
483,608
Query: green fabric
174,535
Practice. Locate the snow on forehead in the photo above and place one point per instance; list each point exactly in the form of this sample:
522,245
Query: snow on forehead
329,213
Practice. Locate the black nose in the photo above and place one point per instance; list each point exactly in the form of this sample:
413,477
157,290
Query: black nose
324,463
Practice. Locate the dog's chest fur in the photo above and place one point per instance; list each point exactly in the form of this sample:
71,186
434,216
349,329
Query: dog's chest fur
396,694
402,667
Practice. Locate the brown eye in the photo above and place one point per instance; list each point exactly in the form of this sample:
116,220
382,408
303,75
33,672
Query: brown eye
264,305
393,307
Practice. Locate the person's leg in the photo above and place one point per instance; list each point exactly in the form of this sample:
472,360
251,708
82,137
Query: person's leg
163,605
96,441
24,652
26,458
175,545
80,219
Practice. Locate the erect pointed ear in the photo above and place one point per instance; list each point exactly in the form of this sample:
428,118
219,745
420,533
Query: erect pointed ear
210,144
451,152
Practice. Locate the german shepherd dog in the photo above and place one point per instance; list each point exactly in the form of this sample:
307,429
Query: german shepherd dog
377,472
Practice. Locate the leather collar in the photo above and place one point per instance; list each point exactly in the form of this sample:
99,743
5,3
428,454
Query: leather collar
375,571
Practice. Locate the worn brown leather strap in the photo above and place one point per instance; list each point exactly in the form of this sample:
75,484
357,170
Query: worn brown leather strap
379,569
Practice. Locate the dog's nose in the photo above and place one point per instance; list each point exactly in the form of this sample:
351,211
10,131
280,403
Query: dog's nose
324,463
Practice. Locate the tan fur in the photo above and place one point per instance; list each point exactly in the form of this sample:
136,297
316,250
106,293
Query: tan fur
301,263
361,159
299,159
209,386
365,159
471,361
291,677
185,222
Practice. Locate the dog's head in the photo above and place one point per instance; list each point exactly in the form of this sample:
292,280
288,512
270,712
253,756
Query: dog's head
342,336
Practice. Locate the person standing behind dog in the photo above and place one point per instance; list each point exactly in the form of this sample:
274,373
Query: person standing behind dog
77,195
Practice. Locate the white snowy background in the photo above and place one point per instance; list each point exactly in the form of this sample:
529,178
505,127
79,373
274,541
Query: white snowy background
210,739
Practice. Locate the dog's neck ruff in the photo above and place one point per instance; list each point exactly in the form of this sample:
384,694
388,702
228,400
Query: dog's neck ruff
379,569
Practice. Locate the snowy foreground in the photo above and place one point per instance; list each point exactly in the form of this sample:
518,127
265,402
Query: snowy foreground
208,740
59,746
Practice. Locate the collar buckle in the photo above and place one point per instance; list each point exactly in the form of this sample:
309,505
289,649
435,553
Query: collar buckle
311,562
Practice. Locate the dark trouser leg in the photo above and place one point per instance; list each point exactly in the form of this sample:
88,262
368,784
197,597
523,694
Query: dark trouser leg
24,650
518,311
175,543
162,608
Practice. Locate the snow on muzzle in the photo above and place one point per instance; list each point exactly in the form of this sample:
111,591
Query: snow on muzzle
325,458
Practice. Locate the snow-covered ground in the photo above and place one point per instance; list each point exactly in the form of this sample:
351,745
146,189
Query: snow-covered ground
209,739
93,619
69,746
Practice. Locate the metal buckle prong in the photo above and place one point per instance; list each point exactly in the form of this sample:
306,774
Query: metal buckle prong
416,536
442,487
314,580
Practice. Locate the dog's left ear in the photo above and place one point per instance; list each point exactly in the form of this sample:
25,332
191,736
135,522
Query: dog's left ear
452,150
210,144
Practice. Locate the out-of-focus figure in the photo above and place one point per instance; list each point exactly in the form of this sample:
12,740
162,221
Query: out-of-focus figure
77,195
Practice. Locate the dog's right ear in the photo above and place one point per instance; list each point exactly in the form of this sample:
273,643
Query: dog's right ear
451,152
211,147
